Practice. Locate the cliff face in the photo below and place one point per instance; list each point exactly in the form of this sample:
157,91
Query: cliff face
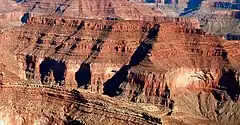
181,59
133,61
95,54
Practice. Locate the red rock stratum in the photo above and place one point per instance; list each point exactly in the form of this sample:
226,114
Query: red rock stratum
123,65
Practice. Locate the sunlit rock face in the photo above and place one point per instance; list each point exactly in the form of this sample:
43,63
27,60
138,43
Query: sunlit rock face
83,53
93,54
179,57
121,57
118,47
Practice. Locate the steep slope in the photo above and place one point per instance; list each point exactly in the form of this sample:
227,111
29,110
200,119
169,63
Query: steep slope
203,108
34,104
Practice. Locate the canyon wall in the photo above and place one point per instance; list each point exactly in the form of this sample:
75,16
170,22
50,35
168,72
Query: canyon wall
113,48
91,54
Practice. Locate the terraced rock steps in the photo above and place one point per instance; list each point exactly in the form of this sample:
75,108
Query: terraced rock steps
62,106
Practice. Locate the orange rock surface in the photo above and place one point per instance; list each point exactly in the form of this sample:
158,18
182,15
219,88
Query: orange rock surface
62,65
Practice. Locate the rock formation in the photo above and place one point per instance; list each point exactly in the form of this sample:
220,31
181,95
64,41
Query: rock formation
120,66
121,9
215,16
52,105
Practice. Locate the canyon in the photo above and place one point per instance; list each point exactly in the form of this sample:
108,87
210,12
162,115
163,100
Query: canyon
219,17
66,63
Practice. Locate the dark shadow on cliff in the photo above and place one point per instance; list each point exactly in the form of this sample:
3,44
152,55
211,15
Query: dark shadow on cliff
83,75
44,68
112,86
229,82
25,18
26,15
57,68
192,6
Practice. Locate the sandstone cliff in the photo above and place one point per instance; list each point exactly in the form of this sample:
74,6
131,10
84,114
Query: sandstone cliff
95,54
121,68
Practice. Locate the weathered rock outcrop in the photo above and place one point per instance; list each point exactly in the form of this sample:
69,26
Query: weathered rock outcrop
36,104
203,108
142,64
93,53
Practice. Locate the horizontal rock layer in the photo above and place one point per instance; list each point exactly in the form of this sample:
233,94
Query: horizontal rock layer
34,104
179,57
